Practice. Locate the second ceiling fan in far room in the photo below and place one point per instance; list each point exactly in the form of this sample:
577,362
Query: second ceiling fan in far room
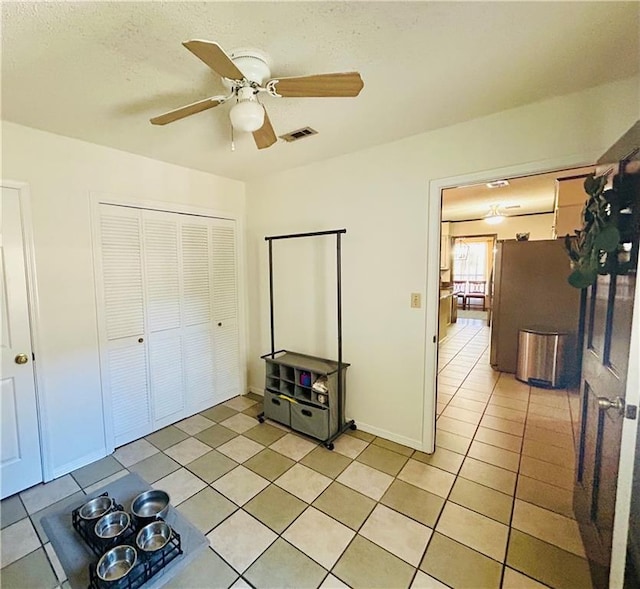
244,74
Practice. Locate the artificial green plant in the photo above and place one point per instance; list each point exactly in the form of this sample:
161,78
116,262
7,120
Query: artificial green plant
599,236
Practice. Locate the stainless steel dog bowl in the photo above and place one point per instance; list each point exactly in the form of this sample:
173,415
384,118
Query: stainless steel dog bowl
112,525
153,536
96,507
116,563
150,504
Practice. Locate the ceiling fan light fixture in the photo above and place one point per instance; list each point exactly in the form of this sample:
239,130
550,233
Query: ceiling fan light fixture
247,115
494,216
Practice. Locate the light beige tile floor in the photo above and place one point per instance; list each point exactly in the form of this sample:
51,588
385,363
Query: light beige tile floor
491,508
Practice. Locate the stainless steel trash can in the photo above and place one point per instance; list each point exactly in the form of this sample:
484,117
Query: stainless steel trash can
542,356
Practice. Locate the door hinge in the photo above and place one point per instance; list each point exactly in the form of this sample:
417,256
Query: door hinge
630,411
33,357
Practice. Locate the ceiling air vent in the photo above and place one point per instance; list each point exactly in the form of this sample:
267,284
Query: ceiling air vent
298,134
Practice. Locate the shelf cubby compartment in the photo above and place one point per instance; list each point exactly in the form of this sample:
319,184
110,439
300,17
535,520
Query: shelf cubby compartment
273,369
320,398
286,388
303,393
303,378
287,373
273,383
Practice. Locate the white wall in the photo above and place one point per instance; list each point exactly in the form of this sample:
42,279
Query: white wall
380,195
539,226
61,173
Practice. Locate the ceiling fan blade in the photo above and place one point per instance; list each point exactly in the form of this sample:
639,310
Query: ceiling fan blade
321,85
185,111
214,56
265,136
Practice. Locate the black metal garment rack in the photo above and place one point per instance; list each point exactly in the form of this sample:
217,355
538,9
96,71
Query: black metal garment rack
342,424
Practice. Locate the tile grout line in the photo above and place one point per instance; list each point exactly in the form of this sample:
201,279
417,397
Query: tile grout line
377,502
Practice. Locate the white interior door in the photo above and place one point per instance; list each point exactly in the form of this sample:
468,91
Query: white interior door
20,460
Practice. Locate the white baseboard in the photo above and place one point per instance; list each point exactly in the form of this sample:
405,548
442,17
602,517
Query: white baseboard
76,464
376,431
257,391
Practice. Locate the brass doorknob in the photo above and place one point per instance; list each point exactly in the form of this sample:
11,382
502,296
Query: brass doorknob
604,404
22,359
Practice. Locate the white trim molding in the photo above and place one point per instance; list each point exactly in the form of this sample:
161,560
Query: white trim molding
628,442
432,298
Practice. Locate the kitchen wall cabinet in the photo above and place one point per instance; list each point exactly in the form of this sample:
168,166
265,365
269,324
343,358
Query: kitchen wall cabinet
169,336
445,252
570,199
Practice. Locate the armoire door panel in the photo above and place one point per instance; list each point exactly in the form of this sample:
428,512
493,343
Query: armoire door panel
162,272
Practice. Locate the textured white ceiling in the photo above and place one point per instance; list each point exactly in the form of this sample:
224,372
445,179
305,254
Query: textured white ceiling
98,71
531,194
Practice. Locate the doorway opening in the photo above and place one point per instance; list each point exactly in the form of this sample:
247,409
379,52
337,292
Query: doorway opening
516,441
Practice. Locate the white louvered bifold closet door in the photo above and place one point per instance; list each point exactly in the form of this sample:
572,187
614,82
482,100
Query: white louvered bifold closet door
225,309
198,322
164,324
170,316
123,350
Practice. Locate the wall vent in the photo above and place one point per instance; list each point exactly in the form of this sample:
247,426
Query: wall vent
298,134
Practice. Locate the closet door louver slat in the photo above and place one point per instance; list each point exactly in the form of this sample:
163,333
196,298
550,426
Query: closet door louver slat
162,273
196,274
199,367
165,367
223,256
127,375
122,276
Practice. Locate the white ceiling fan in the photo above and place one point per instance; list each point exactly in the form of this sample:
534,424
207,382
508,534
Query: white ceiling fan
244,73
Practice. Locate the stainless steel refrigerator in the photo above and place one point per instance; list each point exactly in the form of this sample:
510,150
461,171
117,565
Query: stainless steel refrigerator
530,289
